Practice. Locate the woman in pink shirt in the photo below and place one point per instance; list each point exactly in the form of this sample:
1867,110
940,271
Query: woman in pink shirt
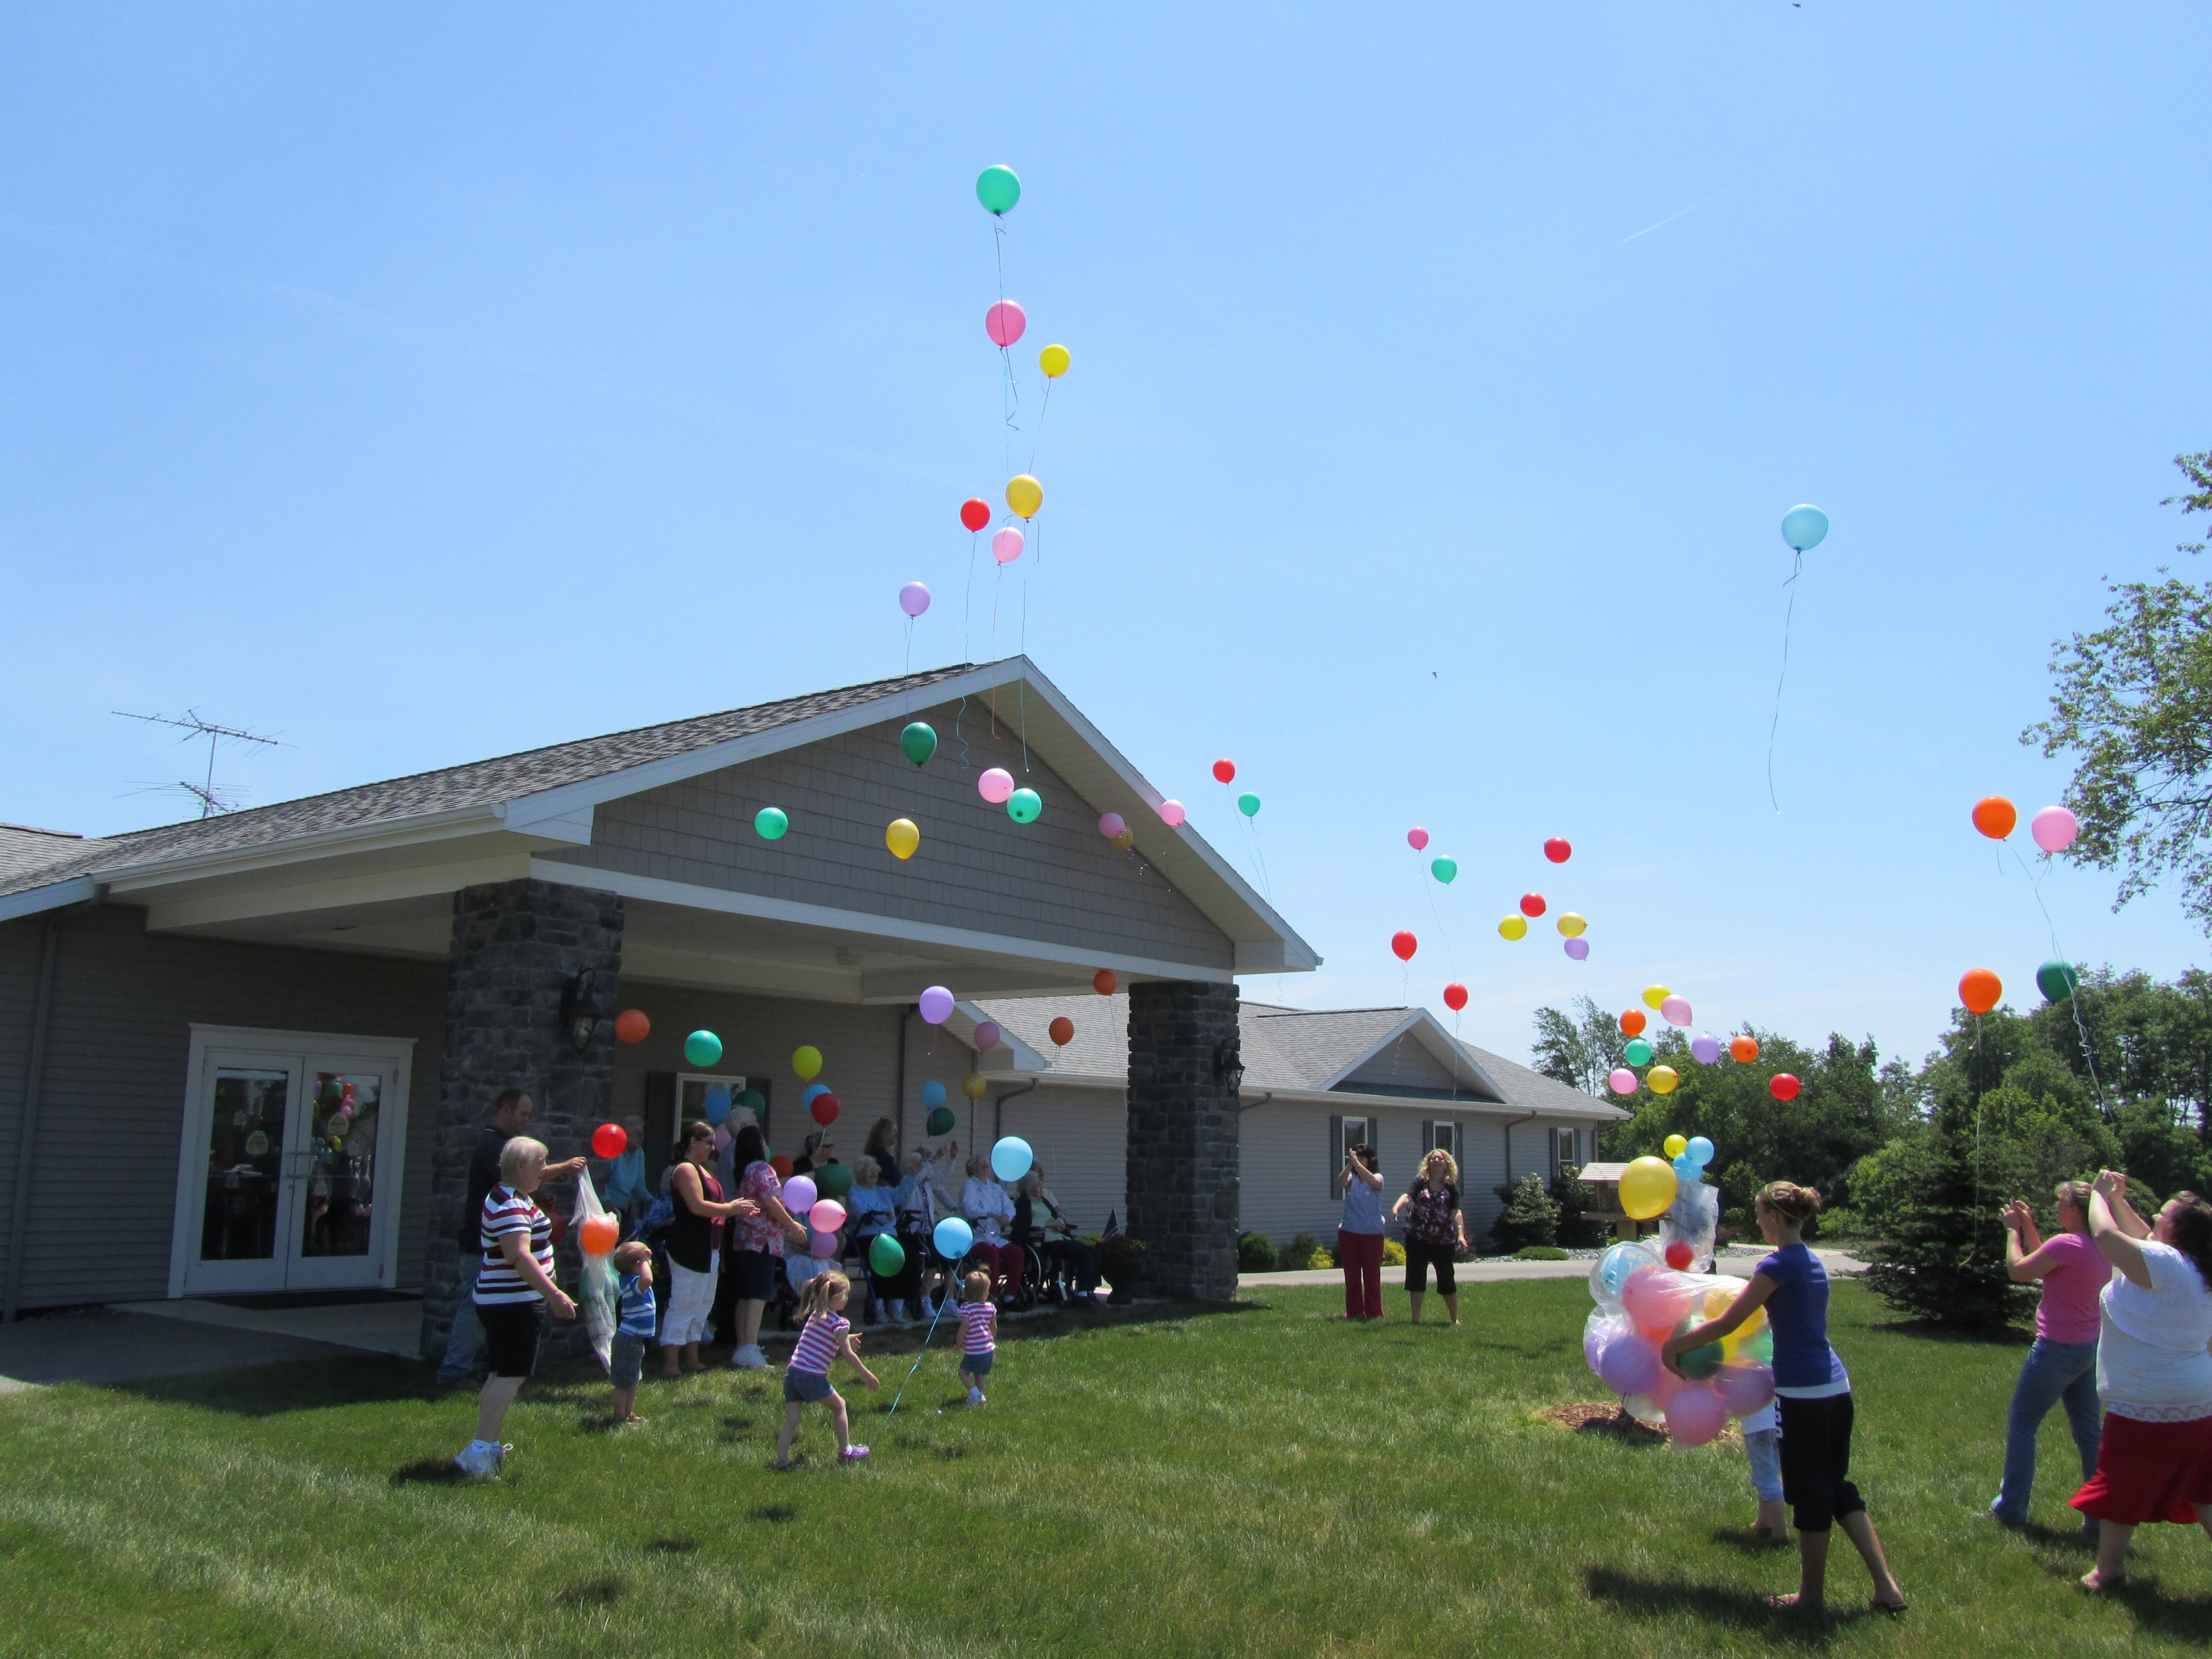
2062,1364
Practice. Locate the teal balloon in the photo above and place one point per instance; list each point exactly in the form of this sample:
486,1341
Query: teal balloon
769,822
754,1102
702,1049
1023,806
1686,1168
1248,804
2056,980
886,1255
941,1121
1637,1053
997,189
833,1181
932,1094
1804,527
919,741
1444,869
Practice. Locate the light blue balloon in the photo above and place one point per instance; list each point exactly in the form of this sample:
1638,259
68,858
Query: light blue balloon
952,1237
1011,1159
716,1106
1613,1269
807,1095
932,1094
1686,1168
1699,1152
1804,526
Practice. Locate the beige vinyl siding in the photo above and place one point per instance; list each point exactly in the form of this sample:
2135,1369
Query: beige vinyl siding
1405,1064
1056,880
1080,1137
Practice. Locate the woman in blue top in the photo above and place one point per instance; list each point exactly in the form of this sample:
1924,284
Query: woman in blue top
1813,1393
1359,1234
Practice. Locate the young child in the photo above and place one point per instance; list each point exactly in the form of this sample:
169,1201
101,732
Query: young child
635,1312
827,1334
979,1333
1812,1395
1762,1444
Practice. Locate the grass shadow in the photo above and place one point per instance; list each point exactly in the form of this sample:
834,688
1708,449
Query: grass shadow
593,1593
429,1472
774,1514
297,1385
2177,1618
1753,1541
1927,1330
2067,1538
671,1546
1740,1609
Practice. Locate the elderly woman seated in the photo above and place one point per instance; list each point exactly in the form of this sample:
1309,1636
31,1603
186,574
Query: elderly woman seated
984,1202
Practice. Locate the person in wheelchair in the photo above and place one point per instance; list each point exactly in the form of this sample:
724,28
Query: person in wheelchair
1043,1229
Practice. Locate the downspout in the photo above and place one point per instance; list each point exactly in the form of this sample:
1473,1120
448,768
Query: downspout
905,1014
998,1112
1256,1105
1508,1145
42,1010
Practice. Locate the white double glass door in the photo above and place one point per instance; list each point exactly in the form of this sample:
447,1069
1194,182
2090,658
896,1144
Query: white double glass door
292,1162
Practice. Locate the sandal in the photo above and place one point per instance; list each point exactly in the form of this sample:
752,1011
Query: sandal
1893,1608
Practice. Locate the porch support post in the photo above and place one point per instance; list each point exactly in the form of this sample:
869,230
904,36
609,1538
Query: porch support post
1183,1136
516,948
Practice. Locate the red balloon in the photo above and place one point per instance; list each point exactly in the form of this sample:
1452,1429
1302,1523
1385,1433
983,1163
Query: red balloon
1632,1021
1785,1087
1678,1256
609,1140
1224,771
1454,996
1104,983
782,1164
824,1109
631,1026
1062,1030
1532,904
556,1226
974,513
1404,944
1558,850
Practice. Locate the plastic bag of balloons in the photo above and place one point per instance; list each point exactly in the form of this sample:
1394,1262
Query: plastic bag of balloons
597,1305
1640,1304
1687,1231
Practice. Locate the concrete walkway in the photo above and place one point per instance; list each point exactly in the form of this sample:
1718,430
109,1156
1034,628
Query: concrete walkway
108,1346
393,1328
1736,1259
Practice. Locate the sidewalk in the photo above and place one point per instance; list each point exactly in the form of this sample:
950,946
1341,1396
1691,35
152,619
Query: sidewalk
1738,1259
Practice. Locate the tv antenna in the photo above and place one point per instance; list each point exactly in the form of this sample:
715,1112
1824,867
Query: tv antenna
212,799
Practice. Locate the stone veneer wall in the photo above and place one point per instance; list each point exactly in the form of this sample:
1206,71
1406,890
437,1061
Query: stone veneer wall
516,947
1183,1137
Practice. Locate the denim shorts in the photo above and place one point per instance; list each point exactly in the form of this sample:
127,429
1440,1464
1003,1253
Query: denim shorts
626,1360
978,1363
805,1388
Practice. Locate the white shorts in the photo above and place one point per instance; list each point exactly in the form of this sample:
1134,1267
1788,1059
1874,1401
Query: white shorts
691,1298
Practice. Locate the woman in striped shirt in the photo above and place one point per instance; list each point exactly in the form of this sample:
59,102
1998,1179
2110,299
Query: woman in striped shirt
514,1286
827,1334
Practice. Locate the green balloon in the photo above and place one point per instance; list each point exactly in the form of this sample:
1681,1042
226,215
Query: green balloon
2056,980
1698,1364
1444,869
1761,1348
886,1255
1248,804
941,1121
997,188
1637,1053
833,1181
770,822
919,740
1023,806
754,1102
702,1049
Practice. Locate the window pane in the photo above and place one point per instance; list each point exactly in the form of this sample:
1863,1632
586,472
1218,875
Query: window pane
343,1119
246,1147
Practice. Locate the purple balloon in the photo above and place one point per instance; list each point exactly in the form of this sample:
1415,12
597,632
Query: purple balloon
822,1245
987,1037
1706,1049
1579,948
1111,824
799,1194
1630,1364
914,599
1744,1388
937,1004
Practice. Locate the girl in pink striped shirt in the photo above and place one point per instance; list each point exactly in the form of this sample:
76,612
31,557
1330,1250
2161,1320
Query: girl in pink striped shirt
827,1334
979,1333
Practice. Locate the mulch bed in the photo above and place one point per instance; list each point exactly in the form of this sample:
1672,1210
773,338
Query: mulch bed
1605,1418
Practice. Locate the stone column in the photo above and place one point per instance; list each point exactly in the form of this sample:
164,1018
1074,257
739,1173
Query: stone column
1183,1137
517,947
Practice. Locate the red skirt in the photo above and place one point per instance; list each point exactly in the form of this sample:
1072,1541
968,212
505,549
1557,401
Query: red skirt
2149,1471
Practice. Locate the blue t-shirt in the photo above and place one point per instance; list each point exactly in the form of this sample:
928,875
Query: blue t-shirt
1363,1207
635,1308
1805,1366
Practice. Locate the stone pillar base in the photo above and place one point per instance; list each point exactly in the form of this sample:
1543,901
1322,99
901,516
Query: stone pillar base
1184,1148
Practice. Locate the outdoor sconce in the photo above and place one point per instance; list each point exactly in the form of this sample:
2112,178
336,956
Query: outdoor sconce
1229,1066
579,1009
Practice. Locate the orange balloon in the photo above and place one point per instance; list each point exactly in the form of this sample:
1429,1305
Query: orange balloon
1995,816
600,1234
1062,1030
631,1026
1744,1050
782,1164
1979,989
1104,983
1632,1023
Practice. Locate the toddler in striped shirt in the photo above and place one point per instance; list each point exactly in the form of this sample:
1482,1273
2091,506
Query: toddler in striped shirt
827,1334
634,1321
979,1333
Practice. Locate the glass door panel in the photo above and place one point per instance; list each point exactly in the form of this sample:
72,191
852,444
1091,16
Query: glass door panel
245,1119
333,1169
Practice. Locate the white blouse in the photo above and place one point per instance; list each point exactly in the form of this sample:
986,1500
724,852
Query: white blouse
987,1206
2154,1350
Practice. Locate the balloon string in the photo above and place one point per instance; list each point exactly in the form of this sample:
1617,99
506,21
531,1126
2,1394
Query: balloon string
1037,437
922,1353
2073,997
1775,725
1022,685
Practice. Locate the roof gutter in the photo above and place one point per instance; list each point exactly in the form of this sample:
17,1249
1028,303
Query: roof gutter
42,1009
1256,1105
998,1111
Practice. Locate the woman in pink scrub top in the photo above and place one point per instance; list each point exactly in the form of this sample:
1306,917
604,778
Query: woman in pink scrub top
2062,1364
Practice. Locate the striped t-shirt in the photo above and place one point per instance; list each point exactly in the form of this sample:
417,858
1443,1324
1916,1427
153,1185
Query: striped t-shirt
635,1307
979,1328
505,1211
817,1343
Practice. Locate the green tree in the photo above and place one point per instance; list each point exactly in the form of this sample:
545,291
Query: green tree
1530,1216
1579,1049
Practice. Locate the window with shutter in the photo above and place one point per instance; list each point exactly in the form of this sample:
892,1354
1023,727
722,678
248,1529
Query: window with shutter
1336,1145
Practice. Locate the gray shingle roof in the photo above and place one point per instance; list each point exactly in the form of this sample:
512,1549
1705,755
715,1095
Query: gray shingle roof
478,783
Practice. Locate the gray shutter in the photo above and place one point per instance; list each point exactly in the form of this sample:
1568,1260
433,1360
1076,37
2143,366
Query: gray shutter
1428,1138
1335,1152
659,1125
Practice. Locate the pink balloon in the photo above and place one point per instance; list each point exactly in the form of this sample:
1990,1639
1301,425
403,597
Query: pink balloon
1696,1414
1007,546
1744,1388
914,599
1623,1081
1579,948
1111,824
826,1215
1005,323
1675,1011
799,1194
822,1245
723,1137
1171,813
995,785
2054,828
1417,838
1656,1298
936,1004
987,1037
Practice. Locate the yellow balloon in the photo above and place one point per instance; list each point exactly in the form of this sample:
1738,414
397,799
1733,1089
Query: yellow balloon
973,1085
1513,928
1053,361
1718,1301
1662,1079
902,837
1673,1146
1025,495
1655,994
1647,1188
806,1060
1572,925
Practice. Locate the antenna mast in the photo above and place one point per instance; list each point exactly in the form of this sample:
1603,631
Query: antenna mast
210,798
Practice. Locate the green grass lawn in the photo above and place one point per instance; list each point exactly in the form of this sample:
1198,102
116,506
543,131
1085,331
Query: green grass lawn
1256,1481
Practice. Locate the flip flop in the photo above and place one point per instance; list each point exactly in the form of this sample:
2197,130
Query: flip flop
1893,1608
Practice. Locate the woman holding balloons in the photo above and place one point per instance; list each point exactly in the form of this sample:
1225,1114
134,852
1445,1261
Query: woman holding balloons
514,1288
762,1233
694,1246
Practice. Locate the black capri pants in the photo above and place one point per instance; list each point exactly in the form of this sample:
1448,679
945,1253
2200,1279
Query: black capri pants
1816,1460
1419,1258
511,1330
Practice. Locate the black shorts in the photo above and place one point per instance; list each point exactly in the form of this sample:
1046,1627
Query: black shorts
1816,1460
753,1274
1420,1257
511,1330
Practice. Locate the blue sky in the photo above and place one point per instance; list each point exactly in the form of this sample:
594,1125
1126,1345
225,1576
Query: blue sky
420,383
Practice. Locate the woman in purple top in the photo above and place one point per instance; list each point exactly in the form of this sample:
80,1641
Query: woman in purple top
2062,1364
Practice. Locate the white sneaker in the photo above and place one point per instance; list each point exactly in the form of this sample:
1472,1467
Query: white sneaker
750,1358
479,1458
974,1396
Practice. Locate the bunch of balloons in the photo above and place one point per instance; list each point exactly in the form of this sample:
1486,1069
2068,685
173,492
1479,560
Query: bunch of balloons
2053,828
1690,1155
1641,1302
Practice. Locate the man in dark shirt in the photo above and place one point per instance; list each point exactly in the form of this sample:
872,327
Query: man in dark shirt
509,1117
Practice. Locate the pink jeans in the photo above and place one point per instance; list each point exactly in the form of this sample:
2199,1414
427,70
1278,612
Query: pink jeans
1361,1256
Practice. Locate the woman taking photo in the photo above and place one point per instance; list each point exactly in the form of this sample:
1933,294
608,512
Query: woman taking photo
2062,1364
514,1286
1435,1230
1359,1233
760,1239
694,1246
2153,1373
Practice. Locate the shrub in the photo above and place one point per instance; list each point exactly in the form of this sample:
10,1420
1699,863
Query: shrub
1393,1253
1120,1258
1308,1252
1257,1253
1573,1199
1529,1216
1539,1253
